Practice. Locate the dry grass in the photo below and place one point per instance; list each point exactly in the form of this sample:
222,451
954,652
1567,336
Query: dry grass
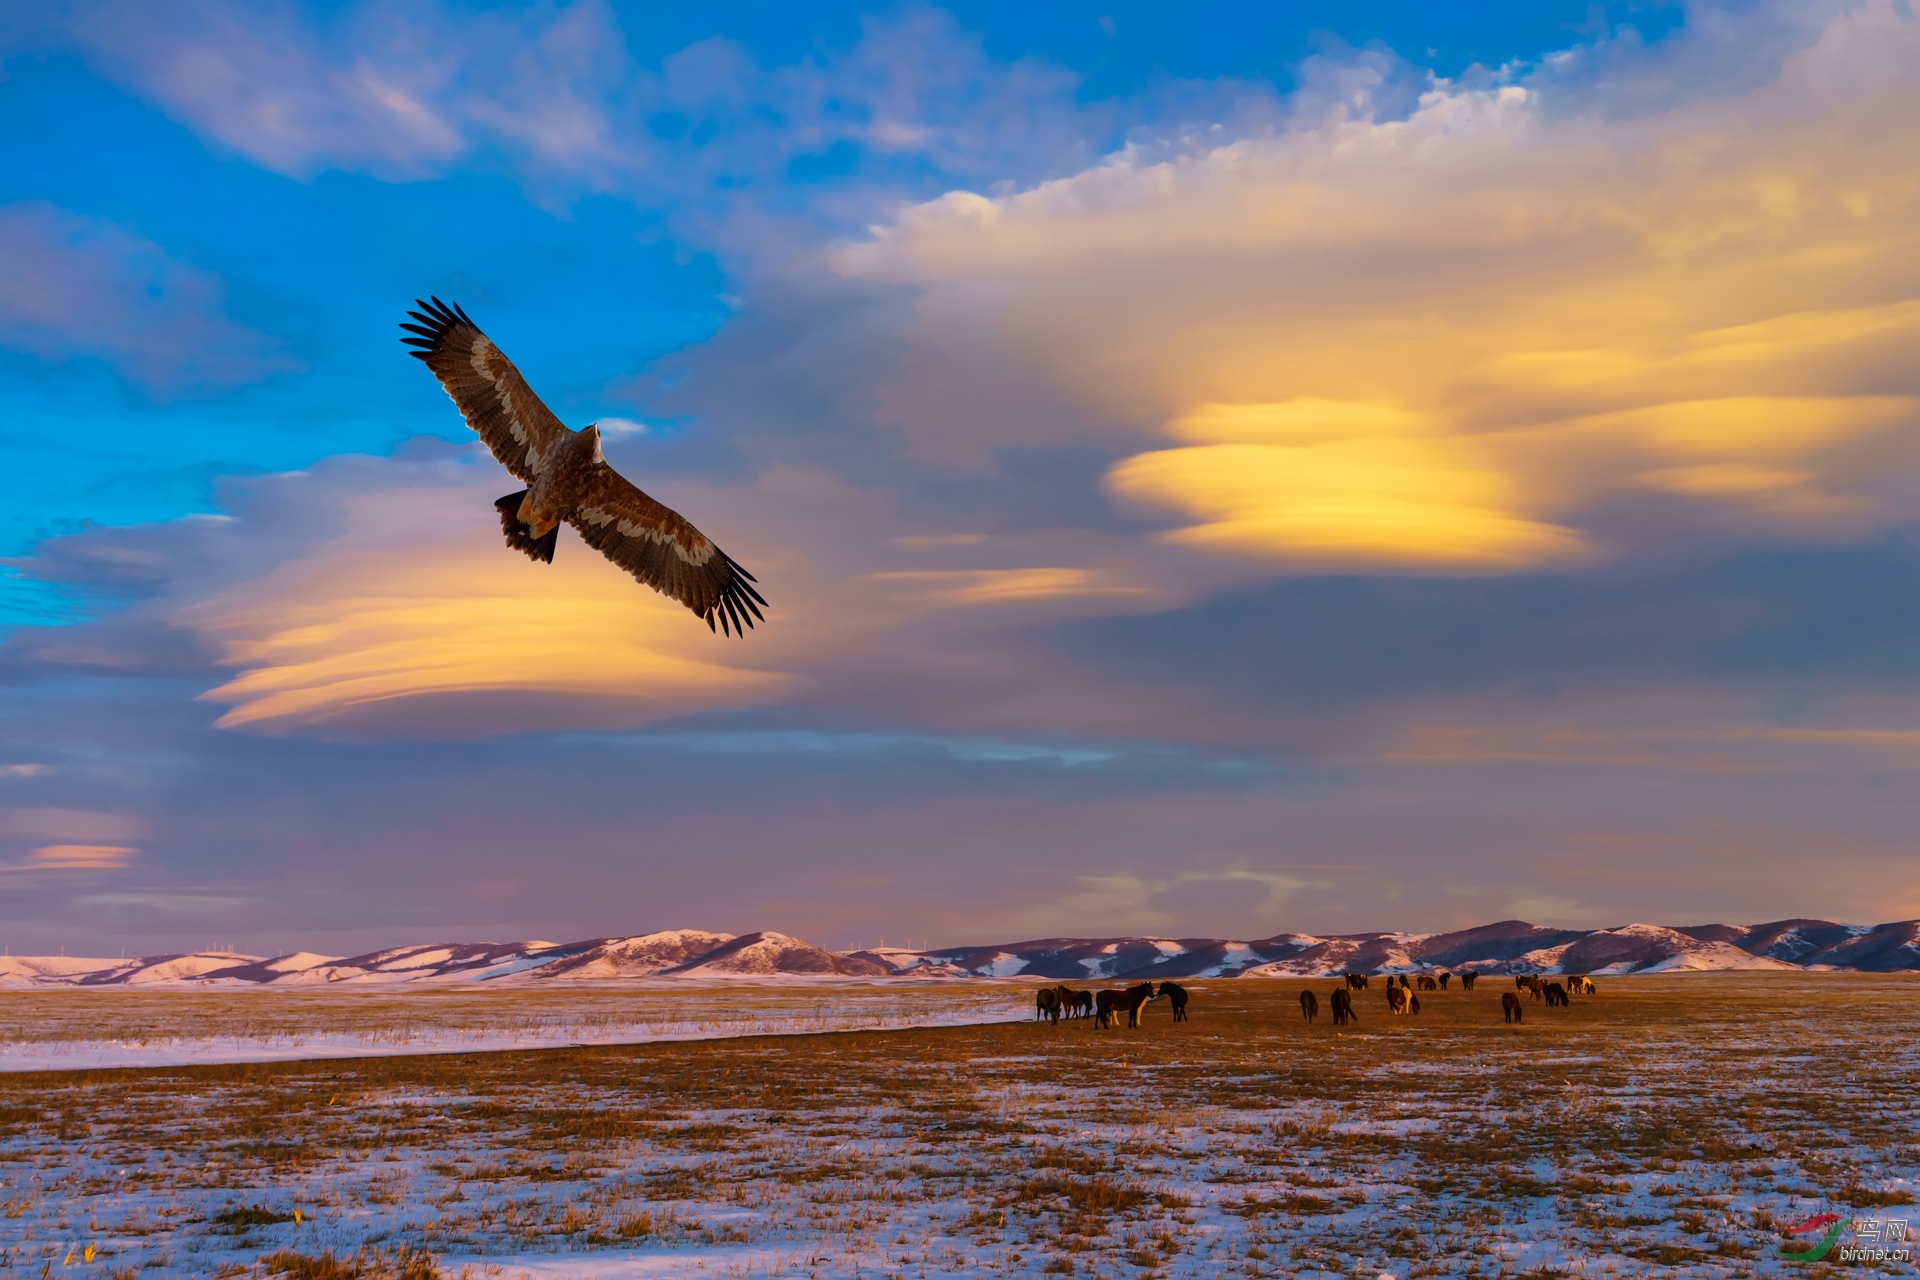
1667,1124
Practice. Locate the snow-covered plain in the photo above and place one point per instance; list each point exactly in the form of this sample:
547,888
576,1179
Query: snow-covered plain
1670,1124
118,1027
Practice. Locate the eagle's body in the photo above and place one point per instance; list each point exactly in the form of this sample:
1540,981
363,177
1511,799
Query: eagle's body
569,482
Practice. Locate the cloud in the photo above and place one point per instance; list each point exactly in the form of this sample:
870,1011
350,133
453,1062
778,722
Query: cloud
73,824
373,596
554,93
261,81
1455,340
80,857
416,620
1338,484
76,286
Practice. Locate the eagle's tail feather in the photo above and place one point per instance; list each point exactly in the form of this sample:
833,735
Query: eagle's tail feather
520,534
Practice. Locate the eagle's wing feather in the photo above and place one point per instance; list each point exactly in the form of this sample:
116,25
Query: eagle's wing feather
490,393
656,545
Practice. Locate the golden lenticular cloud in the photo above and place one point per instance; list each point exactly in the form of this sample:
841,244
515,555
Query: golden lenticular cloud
347,633
1337,483
1437,343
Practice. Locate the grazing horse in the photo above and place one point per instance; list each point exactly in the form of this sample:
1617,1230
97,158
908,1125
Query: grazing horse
1426,984
1580,986
1177,997
1134,999
1510,1006
1556,995
1309,1005
1444,979
1413,1004
1531,985
1467,980
1356,982
1397,999
1046,1004
1343,1008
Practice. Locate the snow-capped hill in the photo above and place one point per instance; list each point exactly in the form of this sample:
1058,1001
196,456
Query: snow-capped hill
1636,948
763,954
636,957
34,971
1884,948
1510,946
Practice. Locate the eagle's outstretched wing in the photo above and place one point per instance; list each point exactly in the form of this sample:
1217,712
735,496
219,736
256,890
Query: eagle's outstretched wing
490,393
657,546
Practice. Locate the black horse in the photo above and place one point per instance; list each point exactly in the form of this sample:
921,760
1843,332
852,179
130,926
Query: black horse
1046,1005
1177,997
1467,980
1342,1008
1309,1005
1356,982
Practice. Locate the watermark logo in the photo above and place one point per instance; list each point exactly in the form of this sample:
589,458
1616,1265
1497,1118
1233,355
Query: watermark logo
1874,1240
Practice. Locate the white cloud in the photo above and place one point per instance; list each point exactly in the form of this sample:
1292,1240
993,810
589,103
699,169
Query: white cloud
410,93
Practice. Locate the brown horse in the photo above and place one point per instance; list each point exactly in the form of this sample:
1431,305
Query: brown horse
1397,998
1556,995
1467,980
1046,1005
1343,1008
1425,983
1134,999
1309,1005
1079,1003
1531,985
1413,1004
1104,1004
1580,985
1510,1006
1177,997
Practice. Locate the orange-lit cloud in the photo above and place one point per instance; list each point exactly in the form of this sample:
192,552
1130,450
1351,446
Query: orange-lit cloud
1338,483
1001,586
1436,343
81,857
467,635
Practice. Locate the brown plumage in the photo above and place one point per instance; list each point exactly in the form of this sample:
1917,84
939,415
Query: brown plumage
568,479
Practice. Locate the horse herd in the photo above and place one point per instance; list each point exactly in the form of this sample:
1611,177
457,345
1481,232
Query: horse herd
1054,1003
1401,997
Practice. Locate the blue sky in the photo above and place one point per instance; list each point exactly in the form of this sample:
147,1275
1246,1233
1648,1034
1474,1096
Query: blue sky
1240,467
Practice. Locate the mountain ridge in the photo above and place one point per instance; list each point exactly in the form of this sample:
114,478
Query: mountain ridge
1504,947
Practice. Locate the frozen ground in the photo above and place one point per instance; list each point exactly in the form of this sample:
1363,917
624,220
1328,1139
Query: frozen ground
116,1027
1670,1125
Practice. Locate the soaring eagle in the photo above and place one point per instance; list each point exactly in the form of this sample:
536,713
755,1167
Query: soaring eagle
568,479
